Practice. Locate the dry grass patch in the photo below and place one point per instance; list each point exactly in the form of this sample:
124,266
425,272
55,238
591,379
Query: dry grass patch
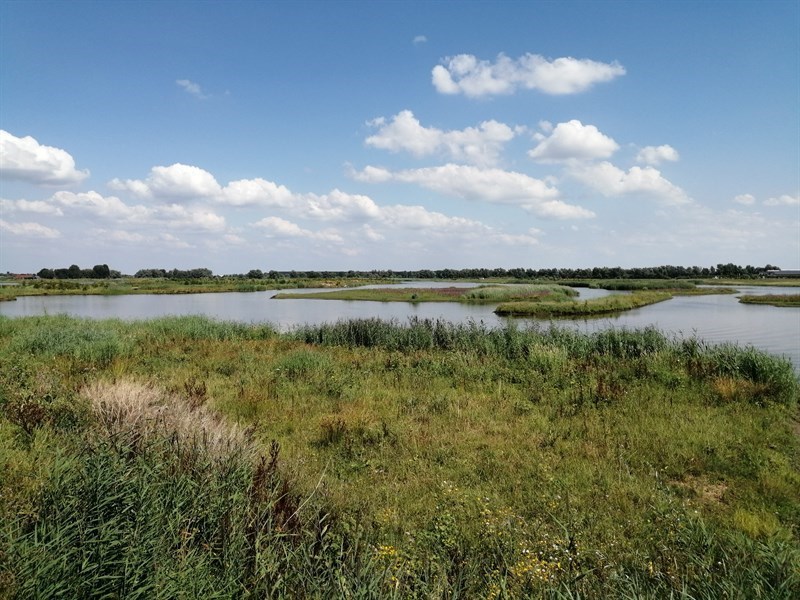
144,410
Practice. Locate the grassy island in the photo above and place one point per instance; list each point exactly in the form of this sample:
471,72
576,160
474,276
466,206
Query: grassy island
582,308
538,300
485,294
183,457
772,299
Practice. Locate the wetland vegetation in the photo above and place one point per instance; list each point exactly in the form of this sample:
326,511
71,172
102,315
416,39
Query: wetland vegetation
483,294
536,300
151,285
582,308
374,459
772,299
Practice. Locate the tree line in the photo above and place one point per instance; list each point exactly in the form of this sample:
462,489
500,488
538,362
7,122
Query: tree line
75,272
725,271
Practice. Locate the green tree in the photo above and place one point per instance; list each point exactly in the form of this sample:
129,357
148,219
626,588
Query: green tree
101,271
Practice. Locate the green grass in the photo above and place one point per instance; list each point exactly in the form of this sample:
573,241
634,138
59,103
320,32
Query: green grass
772,299
417,460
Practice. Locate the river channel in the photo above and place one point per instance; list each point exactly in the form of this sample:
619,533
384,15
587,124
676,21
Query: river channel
716,319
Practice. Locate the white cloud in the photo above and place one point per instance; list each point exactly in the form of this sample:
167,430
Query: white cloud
338,205
176,181
256,192
173,241
370,174
783,200
655,155
178,216
34,206
25,159
281,228
419,39
745,199
109,207
372,234
477,145
466,74
119,235
113,209
31,230
488,185
573,140
610,180
191,88
418,217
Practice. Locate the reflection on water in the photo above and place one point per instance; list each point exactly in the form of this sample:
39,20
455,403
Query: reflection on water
712,318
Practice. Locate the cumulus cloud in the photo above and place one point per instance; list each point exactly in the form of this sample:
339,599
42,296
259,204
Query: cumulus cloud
178,216
419,39
477,145
191,88
745,199
113,209
281,228
185,182
783,200
256,192
488,185
25,159
29,230
338,205
573,140
655,155
465,74
121,236
418,217
34,206
109,207
610,180
175,181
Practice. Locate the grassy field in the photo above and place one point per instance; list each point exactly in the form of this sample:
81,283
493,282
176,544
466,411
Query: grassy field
131,285
183,457
772,299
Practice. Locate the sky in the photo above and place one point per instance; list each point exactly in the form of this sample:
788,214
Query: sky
398,135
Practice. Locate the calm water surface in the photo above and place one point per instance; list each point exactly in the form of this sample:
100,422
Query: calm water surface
711,318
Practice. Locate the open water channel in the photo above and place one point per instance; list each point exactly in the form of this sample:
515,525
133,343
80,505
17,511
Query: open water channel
719,318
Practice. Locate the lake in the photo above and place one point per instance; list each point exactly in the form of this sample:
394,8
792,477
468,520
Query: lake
711,318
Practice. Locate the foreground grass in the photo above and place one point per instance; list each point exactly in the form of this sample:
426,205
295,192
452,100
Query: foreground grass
422,460
772,299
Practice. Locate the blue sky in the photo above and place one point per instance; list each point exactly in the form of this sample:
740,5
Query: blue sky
401,135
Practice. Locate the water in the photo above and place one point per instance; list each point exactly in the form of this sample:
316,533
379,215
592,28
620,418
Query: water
711,318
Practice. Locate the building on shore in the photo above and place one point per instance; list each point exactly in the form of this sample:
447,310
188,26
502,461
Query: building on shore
783,273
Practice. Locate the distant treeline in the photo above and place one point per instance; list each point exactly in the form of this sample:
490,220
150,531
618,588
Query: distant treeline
664,272
75,272
725,271
175,273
